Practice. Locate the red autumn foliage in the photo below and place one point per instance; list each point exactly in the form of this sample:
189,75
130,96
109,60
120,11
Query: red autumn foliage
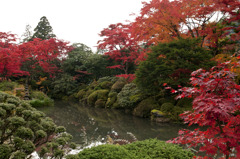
119,45
39,52
165,20
10,61
216,106
129,77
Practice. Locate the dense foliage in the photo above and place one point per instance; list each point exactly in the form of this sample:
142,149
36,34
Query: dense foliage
147,149
216,106
171,63
23,130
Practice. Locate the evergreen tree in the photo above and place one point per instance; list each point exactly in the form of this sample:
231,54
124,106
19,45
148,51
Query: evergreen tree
43,30
172,63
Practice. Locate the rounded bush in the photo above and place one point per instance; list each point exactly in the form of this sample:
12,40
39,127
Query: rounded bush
167,107
124,97
147,149
144,108
105,152
118,85
24,129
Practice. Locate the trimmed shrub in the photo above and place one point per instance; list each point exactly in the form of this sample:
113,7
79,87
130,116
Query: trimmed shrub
105,152
167,107
25,129
81,94
118,85
7,86
147,149
112,98
106,85
92,98
144,108
153,148
108,78
100,103
99,94
124,96
40,99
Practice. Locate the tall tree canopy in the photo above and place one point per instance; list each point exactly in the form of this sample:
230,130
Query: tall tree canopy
165,20
120,46
10,61
29,57
43,30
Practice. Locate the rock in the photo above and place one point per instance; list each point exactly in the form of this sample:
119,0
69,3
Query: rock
159,116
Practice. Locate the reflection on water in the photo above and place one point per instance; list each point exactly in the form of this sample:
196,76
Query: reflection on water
89,125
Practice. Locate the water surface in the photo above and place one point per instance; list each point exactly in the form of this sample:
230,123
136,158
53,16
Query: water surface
88,125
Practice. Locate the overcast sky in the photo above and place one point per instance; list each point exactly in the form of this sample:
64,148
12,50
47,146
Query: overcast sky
71,20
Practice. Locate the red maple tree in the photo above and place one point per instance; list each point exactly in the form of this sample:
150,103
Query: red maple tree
165,20
216,106
10,61
120,46
36,53
43,53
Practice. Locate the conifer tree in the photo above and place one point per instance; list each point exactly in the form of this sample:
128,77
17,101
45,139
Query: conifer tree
43,30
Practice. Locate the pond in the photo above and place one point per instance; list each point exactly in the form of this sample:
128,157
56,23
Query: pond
89,125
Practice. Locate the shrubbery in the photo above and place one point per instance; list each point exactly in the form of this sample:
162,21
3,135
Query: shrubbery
7,86
40,99
147,149
24,129
124,97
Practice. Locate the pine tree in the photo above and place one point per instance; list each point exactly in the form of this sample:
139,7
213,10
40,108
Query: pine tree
43,30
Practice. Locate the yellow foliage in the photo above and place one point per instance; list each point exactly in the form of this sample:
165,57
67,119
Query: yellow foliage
41,79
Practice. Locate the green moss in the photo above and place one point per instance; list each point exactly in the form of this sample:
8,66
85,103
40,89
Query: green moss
155,111
144,108
167,107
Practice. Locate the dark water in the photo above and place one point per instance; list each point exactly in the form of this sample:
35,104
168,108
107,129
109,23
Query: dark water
88,125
